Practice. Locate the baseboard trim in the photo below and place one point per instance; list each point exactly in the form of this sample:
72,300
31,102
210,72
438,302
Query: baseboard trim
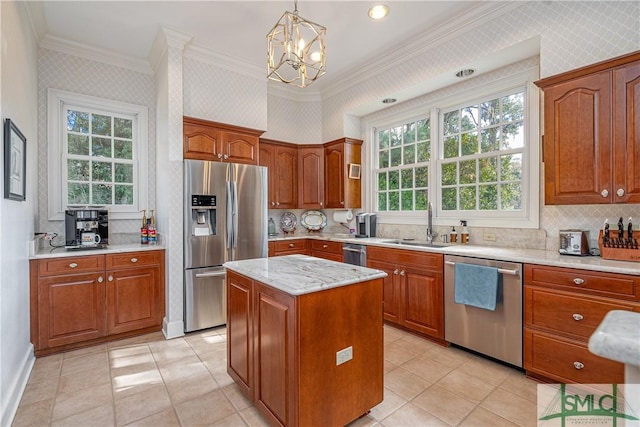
172,329
11,399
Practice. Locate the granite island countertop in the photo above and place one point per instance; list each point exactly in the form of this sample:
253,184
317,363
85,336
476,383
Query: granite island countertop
618,337
302,274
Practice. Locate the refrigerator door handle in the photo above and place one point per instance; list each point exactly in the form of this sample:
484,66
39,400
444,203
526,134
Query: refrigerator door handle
214,274
229,224
234,240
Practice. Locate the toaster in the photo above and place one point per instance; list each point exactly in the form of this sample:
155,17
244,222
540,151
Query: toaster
574,242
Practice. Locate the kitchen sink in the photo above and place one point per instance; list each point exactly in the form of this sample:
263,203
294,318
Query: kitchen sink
414,243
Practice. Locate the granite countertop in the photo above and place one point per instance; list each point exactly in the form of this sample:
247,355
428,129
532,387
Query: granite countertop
618,337
302,274
529,256
50,252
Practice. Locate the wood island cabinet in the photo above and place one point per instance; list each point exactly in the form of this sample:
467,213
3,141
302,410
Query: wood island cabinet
206,140
413,289
281,160
592,133
562,308
342,191
311,177
82,300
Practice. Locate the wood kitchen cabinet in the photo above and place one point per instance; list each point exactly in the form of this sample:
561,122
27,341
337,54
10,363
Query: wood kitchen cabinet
592,133
342,191
289,247
83,300
281,160
206,140
562,308
327,250
311,177
413,289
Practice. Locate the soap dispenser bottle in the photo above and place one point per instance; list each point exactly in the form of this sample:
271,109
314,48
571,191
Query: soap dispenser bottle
453,236
464,235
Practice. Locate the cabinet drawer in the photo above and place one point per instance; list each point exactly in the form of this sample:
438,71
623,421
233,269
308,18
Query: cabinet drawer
568,361
406,257
606,284
291,246
133,259
70,265
326,246
565,313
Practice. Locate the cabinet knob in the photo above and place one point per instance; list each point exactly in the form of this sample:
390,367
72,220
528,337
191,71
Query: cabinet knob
277,203
219,155
577,316
402,273
321,204
578,281
226,156
396,271
325,246
100,279
620,192
291,245
604,193
73,265
342,202
110,278
273,203
578,365
134,259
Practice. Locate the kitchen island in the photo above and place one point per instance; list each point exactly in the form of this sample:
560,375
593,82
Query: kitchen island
305,338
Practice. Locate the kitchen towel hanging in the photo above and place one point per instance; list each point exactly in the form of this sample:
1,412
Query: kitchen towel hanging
476,285
343,216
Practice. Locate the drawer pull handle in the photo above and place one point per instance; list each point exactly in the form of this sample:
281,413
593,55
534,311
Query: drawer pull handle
578,365
100,279
578,281
396,271
291,245
134,259
73,265
577,316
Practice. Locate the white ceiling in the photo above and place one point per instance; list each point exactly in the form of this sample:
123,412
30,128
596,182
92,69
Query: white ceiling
237,29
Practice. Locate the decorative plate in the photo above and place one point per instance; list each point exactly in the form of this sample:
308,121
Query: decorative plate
288,222
313,220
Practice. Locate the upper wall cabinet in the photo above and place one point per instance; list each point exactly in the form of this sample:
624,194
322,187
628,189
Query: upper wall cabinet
592,133
205,140
311,177
281,160
342,173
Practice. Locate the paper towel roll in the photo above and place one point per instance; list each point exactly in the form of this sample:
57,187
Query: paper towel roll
343,216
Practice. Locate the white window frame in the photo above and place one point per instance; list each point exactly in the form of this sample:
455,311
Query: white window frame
530,216
58,100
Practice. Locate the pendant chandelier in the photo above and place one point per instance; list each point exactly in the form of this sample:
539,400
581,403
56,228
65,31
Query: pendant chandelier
296,50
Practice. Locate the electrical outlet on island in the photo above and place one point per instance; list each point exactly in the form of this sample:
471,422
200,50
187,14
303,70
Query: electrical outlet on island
490,237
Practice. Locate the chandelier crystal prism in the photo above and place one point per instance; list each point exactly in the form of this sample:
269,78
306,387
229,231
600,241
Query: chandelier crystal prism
296,50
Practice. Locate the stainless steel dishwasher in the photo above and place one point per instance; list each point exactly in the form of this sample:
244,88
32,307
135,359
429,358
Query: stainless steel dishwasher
497,333
354,254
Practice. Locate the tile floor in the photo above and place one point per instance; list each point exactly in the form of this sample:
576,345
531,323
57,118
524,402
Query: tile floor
150,381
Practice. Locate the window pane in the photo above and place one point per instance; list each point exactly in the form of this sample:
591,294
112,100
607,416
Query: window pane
512,135
396,156
124,194
468,198
383,159
511,195
488,169
449,199
395,136
424,152
101,147
383,139
394,180
451,123
468,172
101,194
100,125
394,200
407,178
424,130
409,154
490,140
422,177
513,107
421,200
78,194
511,167
382,181
123,149
382,201
101,171
469,119
488,197
124,173
122,128
449,173
77,121
407,200
451,147
78,144
409,133
469,143
490,112
77,170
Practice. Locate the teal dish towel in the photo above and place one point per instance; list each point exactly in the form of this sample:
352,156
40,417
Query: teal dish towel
476,285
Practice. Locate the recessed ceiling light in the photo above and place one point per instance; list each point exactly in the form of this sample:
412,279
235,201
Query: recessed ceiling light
389,100
378,11
465,73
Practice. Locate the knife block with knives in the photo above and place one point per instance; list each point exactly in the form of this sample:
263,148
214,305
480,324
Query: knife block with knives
619,247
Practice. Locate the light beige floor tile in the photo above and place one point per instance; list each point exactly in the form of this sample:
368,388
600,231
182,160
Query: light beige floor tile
486,370
157,346
96,417
185,388
128,351
388,366
514,408
34,414
252,417
480,417
134,379
99,348
170,355
411,415
180,368
40,390
85,379
449,356
465,386
416,344
80,401
85,362
236,397
219,373
518,384
427,368
397,354
199,411
167,418
390,403
446,406
391,334
405,384
132,360
138,406
365,421
46,367
133,341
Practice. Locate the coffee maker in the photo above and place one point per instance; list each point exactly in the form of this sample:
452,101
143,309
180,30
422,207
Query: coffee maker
86,228
366,225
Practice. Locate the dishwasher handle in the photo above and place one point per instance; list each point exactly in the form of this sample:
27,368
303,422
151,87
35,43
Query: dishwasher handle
360,251
500,270
212,274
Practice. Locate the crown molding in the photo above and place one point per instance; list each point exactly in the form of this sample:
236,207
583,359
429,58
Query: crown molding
95,54
479,15
292,93
37,21
203,54
165,38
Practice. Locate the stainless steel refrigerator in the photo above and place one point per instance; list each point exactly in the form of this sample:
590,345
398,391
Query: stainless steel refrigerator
225,219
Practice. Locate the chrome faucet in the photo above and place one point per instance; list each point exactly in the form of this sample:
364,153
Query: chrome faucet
430,234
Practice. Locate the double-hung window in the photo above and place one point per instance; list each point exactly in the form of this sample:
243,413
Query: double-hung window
97,155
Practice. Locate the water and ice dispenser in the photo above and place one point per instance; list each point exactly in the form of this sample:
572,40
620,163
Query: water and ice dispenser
203,215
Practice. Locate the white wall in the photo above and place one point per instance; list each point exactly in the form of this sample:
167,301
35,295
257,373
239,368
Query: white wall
18,76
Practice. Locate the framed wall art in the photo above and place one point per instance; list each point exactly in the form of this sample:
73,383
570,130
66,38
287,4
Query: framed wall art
15,162
354,171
